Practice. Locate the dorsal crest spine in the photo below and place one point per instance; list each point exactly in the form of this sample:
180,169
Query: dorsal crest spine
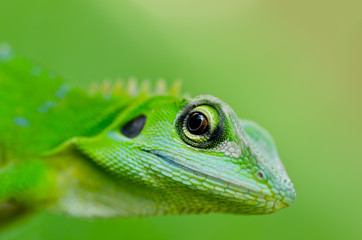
134,88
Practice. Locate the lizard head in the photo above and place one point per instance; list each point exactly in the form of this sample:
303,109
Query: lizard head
194,155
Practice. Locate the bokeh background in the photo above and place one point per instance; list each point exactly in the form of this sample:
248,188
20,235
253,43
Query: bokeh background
295,67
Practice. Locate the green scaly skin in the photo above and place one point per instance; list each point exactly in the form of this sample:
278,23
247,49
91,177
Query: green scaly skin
63,149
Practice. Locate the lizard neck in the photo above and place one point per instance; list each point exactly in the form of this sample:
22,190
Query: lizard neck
86,190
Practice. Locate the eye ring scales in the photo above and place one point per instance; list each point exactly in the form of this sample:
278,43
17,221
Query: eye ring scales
202,126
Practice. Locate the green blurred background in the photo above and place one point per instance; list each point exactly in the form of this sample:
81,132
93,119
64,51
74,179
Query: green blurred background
292,66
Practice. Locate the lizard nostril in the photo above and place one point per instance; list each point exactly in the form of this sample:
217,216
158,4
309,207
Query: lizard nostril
260,175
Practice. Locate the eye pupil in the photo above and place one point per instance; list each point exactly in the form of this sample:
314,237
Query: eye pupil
197,123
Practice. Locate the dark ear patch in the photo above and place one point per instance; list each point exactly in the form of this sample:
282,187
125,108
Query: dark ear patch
134,127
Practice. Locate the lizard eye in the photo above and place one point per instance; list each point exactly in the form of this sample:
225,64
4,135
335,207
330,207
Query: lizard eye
201,126
197,123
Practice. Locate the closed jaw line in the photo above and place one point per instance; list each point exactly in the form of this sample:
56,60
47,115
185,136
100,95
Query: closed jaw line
242,184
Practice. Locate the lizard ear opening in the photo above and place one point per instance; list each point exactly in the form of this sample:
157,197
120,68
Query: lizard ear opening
134,127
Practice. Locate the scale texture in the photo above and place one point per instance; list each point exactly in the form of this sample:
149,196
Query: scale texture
117,150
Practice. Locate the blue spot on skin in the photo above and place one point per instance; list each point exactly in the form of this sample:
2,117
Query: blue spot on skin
62,92
6,53
52,75
21,122
36,71
42,109
46,106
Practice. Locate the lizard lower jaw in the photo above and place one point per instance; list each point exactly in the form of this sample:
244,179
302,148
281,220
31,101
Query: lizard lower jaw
259,199
286,202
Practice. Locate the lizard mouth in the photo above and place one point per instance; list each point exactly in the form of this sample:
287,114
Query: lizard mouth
240,182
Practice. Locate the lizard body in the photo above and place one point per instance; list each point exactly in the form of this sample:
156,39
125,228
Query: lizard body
114,153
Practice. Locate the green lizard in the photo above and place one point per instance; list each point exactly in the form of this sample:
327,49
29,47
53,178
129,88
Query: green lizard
109,152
